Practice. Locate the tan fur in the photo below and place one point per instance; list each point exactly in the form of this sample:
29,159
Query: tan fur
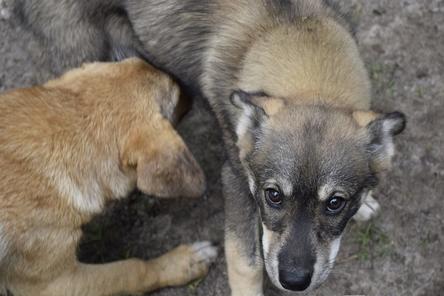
68,147
317,56
322,66
363,118
271,106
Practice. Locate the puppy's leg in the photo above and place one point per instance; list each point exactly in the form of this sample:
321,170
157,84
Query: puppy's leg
369,208
242,245
133,276
245,274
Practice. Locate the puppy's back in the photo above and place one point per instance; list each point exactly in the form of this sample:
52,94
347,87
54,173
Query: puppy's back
78,105
47,130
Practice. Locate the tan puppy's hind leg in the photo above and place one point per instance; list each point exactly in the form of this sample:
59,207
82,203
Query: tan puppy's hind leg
244,278
177,267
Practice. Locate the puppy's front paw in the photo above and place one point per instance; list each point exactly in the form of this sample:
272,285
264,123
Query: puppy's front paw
369,209
204,252
189,262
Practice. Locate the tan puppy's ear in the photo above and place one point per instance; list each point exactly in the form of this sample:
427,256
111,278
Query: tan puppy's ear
165,167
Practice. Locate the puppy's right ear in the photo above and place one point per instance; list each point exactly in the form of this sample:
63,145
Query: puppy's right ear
381,133
164,165
259,101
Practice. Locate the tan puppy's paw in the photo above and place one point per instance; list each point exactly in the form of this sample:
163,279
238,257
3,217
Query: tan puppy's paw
188,262
204,252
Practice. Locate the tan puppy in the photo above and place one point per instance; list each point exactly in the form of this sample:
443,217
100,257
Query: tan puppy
68,147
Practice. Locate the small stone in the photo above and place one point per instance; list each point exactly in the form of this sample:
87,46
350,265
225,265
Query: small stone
422,73
378,11
5,14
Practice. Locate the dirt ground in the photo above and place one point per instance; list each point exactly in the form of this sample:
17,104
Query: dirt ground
398,253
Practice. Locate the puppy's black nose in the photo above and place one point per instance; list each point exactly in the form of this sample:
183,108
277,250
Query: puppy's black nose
297,280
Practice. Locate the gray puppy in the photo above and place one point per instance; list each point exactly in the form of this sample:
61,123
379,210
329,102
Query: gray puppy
291,95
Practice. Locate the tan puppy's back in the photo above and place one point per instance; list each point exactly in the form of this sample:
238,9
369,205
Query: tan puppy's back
46,153
27,196
71,145
51,128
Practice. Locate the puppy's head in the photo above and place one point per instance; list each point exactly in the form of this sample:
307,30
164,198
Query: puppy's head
152,148
308,169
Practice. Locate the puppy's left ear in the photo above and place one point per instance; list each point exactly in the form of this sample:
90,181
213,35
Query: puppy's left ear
255,108
165,167
381,132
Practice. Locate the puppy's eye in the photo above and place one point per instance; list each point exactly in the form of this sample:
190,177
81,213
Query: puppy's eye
273,196
335,204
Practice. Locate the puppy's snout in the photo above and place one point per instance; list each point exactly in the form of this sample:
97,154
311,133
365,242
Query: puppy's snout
295,280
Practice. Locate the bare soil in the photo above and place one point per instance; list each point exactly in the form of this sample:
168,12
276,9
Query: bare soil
398,253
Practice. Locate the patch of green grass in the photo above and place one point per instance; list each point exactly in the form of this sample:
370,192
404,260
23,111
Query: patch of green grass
419,92
426,240
376,71
424,243
372,242
383,78
390,89
192,287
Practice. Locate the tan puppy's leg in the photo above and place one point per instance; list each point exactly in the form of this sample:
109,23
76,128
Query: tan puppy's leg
177,267
245,279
